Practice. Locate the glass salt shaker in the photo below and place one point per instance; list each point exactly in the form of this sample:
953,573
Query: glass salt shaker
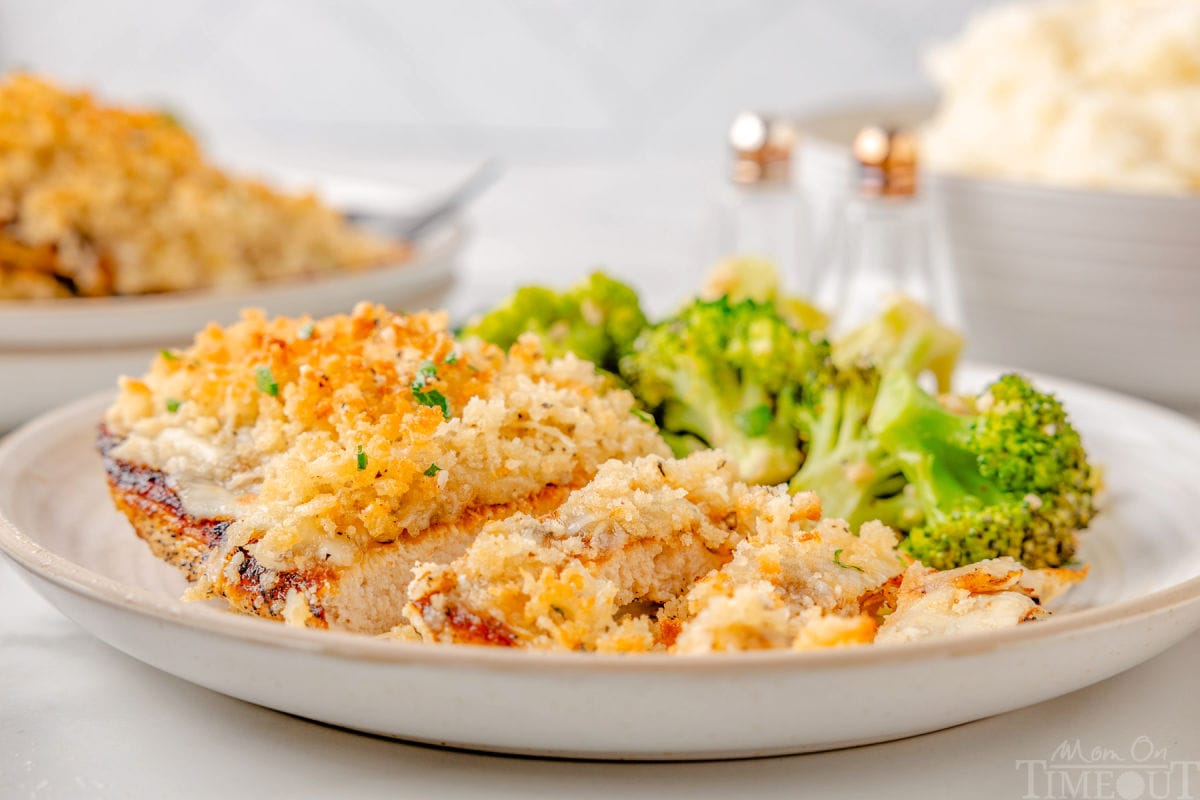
883,241
760,213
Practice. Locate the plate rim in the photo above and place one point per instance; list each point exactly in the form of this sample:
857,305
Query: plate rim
166,301
423,258
61,571
430,260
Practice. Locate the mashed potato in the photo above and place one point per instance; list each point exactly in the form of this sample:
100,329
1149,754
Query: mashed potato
1093,93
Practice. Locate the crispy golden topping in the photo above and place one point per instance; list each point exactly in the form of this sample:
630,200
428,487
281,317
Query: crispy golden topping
324,435
103,200
678,556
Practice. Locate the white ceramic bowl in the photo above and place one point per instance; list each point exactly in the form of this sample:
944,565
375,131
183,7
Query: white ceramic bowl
1099,286
55,350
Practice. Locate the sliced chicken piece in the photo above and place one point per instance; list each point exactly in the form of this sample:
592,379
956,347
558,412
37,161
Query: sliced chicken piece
989,595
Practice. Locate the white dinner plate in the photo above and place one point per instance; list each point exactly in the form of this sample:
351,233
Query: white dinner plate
172,318
1142,596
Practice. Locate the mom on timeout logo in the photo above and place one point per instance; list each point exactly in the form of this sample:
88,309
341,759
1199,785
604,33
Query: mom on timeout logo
1143,771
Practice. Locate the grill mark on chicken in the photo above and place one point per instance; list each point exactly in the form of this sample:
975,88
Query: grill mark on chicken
146,498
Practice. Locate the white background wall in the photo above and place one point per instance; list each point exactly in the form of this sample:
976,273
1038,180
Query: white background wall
611,114
531,79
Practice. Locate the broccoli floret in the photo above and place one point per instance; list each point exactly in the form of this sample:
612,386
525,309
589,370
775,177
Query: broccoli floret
727,374
597,319
1002,474
905,336
748,278
741,278
858,479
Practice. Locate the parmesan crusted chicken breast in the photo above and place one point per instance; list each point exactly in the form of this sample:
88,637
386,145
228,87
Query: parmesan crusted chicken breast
298,469
679,556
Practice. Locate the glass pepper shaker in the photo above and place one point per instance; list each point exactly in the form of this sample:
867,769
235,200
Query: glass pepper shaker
760,213
883,241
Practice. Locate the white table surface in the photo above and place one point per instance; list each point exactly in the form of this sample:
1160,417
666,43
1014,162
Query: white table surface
80,720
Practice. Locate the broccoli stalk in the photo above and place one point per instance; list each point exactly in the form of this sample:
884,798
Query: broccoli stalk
844,464
858,479
735,416
1006,477
727,374
597,319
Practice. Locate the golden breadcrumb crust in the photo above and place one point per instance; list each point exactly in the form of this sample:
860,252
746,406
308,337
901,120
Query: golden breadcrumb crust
101,200
325,440
678,556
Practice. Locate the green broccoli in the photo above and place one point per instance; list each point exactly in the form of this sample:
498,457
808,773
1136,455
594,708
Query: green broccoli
1002,474
597,319
726,374
857,479
905,335
749,278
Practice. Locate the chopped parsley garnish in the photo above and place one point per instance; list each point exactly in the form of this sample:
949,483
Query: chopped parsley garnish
425,373
756,421
451,359
362,458
642,415
172,404
837,559
431,470
432,398
168,355
306,331
266,381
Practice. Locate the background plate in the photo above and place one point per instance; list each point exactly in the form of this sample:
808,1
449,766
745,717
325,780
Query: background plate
52,351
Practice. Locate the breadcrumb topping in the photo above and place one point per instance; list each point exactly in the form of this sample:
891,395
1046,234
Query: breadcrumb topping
322,433
678,556
99,200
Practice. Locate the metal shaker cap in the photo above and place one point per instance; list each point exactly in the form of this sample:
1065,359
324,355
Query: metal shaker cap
762,149
887,161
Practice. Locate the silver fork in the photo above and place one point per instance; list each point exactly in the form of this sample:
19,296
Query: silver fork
413,226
